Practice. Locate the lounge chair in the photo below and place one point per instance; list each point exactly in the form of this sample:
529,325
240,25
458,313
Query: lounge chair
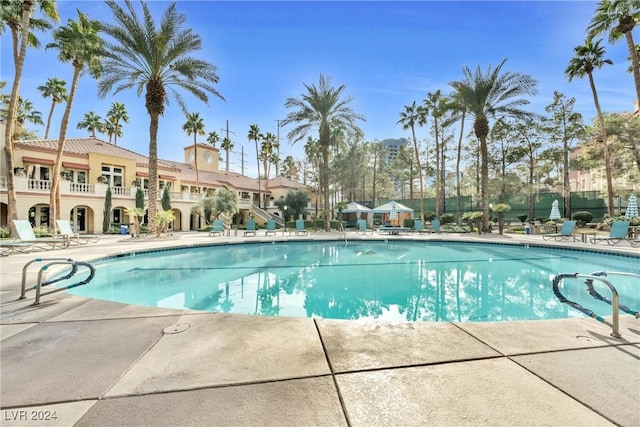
300,229
271,227
618,233
251,227
566,232
362,227
418,226
66,232
435,226
26,235
7,248
217,229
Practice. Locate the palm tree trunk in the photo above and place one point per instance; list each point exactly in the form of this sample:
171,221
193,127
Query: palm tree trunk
484,182
152,198
605,146
258,164
18,56
567,183
438,183
635,63
54,197
415,147
195,162
46,131
458,196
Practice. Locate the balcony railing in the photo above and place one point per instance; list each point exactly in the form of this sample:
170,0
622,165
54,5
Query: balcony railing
39,185
82,188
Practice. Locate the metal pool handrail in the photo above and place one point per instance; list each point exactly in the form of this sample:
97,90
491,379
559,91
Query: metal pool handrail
55,261
615,326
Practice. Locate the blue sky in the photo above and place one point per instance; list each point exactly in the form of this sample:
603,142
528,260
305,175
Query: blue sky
387,54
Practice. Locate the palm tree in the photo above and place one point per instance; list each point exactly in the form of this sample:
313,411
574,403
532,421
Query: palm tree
56,89
486,96
436,105
227,146
213,138
155,60
117,113
194,125
587,58
78,43
108,127
619,18
25,113
266,151
324,108
411,116
91,122
255,135
18,16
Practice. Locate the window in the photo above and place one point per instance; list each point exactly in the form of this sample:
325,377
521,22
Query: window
38,172
75,176
113,174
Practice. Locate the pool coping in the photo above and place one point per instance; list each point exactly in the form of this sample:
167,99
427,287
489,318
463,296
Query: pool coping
355,354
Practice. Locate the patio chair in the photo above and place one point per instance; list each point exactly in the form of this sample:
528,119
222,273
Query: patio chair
300,229
251,227
566,232
8,248
418,226
26,235
271,227
435,226
66,232
362,227
618,233
217,229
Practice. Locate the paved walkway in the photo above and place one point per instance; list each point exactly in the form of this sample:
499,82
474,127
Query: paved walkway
97,363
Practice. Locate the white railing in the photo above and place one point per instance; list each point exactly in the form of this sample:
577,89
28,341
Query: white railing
82,188
121,191
39,184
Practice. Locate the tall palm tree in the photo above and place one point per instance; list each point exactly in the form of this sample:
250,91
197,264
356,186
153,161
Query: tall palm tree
18,16
587,58
411,116
435,105
155,60
227,146
91,122
194,125
619,18
486,96
323,108
255,135
266,151
117,113
108,127
213,138
25,113
80,44
56,89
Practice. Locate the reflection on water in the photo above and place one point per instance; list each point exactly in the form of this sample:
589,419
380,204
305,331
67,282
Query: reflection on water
389,281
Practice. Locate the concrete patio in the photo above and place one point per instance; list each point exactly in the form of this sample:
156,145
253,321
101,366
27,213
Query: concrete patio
99,363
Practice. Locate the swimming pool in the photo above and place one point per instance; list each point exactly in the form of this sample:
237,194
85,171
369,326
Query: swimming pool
384,280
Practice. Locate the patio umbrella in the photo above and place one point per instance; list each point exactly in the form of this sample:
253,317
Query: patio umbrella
632,207
394,213
386,208
555,212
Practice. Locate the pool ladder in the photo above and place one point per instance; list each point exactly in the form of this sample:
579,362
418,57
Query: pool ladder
614,301
75,265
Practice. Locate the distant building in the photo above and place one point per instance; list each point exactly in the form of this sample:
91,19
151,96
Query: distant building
393,146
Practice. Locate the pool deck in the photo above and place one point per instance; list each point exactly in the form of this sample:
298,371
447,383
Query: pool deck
98,363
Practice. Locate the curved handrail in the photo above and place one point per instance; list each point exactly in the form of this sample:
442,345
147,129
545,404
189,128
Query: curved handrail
599,297
75,264
23,289
614,303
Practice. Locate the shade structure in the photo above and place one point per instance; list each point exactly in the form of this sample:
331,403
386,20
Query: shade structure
392,205
353,207
632,207
555,212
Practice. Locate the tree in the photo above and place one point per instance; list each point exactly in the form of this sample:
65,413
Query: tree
266,150
587,58
436,105
295,201
78,43
91,122
155,60
18,16
116,114
486,96
565,125
108,127
213,138
225,201
227,146
619,18
255,135
194,126
106,215
56,89
290,168
140,198
409,118
322,108
24,113
166,199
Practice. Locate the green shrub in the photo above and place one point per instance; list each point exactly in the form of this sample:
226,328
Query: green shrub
409,222
447,218
582,217
41,232
522,217
4,233
429,215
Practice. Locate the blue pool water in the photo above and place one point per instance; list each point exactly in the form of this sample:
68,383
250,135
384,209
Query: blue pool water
394,281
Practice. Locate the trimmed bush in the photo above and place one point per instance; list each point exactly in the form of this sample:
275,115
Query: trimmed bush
582,217
447,218
523,218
